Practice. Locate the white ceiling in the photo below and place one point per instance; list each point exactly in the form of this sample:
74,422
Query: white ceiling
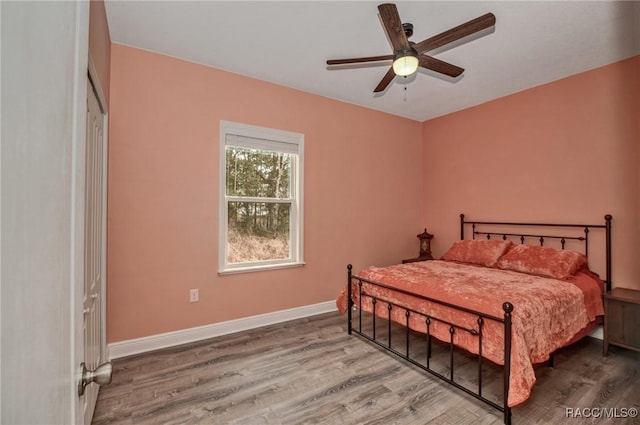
288,43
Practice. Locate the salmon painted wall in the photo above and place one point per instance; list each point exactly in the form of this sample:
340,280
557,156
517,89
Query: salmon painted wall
567,151
362,183
100,45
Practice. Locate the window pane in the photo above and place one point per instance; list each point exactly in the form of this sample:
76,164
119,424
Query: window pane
257,173
257,231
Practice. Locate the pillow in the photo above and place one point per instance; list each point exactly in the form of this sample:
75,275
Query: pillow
542,261
481,252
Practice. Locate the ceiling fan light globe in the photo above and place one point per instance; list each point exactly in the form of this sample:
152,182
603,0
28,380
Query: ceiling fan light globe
405,65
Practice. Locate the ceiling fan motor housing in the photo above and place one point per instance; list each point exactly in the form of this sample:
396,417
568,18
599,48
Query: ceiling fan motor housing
408,29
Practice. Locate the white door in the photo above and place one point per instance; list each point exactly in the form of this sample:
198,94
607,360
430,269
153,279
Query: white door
93,247
43,77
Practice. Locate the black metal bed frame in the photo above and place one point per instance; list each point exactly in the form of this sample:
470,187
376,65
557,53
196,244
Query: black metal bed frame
481,317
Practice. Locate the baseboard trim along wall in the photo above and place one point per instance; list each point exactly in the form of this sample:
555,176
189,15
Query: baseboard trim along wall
597,333
155,342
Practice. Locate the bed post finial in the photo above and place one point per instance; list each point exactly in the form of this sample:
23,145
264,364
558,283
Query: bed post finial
507,307
461,227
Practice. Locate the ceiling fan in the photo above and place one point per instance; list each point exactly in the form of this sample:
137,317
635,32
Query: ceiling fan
407,55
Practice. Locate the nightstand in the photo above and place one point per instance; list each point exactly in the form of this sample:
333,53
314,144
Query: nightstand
415,260
622,319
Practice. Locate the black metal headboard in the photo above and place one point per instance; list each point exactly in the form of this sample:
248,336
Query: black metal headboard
579,232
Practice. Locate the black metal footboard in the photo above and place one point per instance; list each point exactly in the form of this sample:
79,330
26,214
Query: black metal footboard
389,306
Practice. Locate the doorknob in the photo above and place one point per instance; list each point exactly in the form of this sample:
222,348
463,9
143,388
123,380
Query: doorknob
101,376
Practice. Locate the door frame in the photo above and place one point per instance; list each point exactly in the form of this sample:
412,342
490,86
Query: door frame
78,204
95,81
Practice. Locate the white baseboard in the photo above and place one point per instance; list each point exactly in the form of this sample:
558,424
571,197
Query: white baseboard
597,333
170,339
155,342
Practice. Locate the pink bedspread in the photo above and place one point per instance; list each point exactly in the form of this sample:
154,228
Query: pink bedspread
547,312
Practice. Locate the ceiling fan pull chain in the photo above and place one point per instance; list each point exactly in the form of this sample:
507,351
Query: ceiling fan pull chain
405,88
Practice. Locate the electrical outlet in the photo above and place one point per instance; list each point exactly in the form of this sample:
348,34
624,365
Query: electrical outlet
193,296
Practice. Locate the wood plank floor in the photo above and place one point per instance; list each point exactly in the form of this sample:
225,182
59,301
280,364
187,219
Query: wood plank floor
310,371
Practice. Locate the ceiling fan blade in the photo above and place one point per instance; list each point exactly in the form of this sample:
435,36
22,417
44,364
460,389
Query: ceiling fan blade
437,65
359,60
456,33
385,81
393,26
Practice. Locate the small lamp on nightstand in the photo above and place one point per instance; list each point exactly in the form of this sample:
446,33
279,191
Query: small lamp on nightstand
425,245
425,248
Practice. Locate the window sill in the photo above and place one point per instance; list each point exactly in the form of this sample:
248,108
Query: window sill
260,268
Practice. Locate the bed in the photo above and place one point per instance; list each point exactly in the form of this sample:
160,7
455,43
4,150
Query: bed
493,295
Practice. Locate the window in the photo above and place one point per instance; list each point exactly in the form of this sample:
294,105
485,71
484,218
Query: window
261,182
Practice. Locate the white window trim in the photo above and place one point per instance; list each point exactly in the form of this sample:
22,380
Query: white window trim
296,220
